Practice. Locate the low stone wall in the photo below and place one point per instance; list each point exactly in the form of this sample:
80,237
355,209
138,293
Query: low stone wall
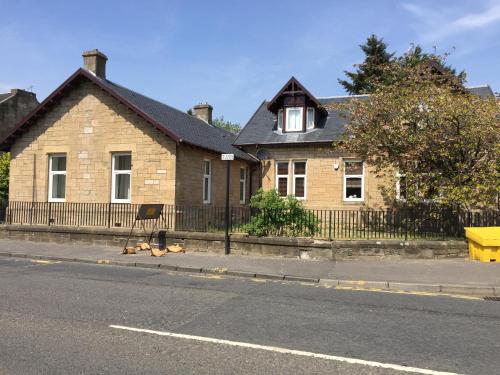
245,245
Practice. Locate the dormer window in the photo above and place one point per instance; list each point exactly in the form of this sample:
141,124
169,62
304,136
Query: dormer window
295,108
310,118
294,117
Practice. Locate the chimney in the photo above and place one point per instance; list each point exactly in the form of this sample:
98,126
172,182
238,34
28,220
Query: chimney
95,62
204,112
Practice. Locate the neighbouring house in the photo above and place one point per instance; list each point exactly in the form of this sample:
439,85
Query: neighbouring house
13,107
292,136
94,141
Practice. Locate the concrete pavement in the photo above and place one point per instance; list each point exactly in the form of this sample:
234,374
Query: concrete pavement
454,276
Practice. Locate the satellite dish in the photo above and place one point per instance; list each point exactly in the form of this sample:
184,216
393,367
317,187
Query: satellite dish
262,154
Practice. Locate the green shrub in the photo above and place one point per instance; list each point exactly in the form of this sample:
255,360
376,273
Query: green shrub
273,215
4,176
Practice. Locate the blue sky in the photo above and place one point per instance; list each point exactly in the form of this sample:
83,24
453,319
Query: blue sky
235,54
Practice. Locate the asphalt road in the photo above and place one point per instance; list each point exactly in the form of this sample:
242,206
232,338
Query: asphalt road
55,318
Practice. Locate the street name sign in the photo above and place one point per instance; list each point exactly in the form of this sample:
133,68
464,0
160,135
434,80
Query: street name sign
227,157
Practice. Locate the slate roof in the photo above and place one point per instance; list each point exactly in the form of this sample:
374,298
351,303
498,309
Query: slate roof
187,128
178,125
261,129
4,96
483,91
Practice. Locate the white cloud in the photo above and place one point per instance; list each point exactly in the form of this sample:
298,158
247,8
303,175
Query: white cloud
437,24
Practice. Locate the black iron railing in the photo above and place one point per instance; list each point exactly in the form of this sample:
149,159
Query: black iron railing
400,223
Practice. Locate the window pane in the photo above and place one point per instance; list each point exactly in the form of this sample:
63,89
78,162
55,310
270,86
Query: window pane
205,189
300,187
402,187
300,167
294,119
283,186
122,186
283,168
310,118
58,163
353,167
207,167
353,187
58,186
242,173
242,187
123,162
280,119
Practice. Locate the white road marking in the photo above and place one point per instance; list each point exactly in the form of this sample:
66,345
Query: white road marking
276,349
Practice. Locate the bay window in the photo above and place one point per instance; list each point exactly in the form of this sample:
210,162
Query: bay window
121,176
57,178
353,180
310,118
294,119
282,178
280,119
299,179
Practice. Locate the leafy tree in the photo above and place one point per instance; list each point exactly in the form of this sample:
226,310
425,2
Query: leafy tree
4,176
415,56
376,56
226,125
219,122
442,138
278,216
373,71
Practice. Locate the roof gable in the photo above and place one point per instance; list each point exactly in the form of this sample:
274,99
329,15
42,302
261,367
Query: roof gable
179,126
292,88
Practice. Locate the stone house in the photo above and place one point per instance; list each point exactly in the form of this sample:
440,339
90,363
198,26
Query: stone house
292,136
14,105
94,141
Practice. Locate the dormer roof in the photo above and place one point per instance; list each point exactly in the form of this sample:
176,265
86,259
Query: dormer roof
292,88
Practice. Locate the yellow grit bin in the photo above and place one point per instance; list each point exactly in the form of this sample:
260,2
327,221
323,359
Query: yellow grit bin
484,243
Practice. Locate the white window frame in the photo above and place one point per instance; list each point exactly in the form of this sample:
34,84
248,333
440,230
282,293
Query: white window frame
301,117
209,178
362,176
243,185
52,174
310,109
398,187
278,176
280,119
115,173
295,176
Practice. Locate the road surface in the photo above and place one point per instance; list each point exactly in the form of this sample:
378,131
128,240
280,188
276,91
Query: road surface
73,318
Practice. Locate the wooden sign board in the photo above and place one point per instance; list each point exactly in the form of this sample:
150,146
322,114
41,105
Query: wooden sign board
149,211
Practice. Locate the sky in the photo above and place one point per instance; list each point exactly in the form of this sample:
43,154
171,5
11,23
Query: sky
235,54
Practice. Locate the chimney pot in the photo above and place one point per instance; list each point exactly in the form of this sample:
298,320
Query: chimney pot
204,112
95,62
